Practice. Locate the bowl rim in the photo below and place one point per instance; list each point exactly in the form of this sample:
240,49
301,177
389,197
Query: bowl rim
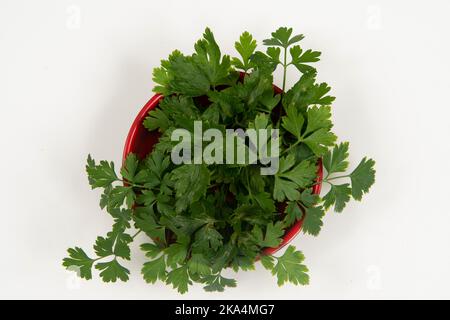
130,143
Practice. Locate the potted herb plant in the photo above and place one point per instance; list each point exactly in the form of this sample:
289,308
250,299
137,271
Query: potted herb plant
201,218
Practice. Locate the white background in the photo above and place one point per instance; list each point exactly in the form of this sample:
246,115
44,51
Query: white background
73,75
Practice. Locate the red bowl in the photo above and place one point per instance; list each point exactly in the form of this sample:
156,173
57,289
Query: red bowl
140,141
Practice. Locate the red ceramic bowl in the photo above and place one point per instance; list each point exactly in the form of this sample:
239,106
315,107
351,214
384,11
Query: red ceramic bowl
140,141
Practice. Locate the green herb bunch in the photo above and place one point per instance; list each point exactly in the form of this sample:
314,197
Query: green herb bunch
201,219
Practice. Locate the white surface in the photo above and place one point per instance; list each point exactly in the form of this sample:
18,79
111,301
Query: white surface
70,86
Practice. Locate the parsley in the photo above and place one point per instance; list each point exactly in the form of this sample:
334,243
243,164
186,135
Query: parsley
288,267
200,219
246,47
361,178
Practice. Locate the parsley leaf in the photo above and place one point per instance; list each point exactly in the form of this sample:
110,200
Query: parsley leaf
320,140
293,122
208,59
144,220
116,243
265,201
218,283
254,88
318,118
305,209
313,220
112,270
101,175
300,58
119,194
208,237
306,92
173,111
157,163
130,167
274,53
151,250
267,262
191,181
157,119
176,254
154,270
289,267
245,46
179,279
282,38
288,180
198,264
316,135
293,213
309,199
78,258
338,195
337,160
363,177
193,75
272,237
274,232
104,247
187,78
162,79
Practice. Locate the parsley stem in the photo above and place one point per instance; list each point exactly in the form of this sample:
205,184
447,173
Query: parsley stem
99,258
136,234
333,178
248,186
134,184
262,110
285,65
319,182
284,69
291,146
327,180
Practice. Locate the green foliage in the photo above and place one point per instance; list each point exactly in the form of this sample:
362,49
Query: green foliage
300,58
217,283
193,75
79,259
102,175
272,237
291,177
179,278
246,47
191,182
361,178
288,267
200,219
112,270
154,270
282,38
